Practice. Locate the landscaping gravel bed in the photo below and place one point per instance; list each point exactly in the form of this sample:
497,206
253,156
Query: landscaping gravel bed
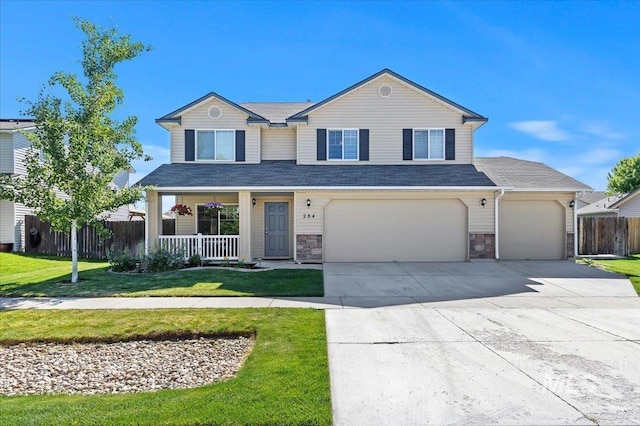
108,368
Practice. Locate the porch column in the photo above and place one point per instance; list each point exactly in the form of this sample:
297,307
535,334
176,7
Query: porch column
244,211
153,220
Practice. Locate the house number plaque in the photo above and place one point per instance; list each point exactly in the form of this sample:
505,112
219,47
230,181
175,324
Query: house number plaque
308,216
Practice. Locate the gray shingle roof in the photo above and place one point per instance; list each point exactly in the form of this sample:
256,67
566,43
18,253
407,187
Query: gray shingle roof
527,175
600,207
288,174
276,112
16,123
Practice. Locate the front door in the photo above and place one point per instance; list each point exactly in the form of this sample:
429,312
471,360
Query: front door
276,230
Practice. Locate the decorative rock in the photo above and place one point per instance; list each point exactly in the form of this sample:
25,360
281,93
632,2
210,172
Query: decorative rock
108,368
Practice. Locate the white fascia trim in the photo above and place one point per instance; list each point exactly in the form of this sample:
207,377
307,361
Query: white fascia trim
326,188
574,190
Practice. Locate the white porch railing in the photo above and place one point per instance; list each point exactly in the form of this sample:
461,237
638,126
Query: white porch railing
214,247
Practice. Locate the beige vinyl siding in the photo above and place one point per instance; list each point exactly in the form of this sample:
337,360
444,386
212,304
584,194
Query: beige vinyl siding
6,222
278,144
232,118
186,225
631,208
257,223
480,219
385,118
6,153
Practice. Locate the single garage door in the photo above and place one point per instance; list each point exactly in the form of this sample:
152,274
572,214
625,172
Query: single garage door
531,230
395,230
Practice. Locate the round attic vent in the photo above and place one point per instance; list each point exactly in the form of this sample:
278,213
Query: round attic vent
385,90
215,112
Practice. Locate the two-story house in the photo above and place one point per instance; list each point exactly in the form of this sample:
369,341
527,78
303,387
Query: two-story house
381,171
13,149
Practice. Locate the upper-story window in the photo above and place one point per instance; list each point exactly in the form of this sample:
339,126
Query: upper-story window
343,144
428,144
217,145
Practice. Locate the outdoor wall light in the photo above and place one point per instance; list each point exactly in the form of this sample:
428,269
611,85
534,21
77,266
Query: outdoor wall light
308,202
572,203
253,201
483,202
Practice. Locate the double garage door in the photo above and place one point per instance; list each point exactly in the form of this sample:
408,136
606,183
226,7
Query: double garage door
395,230
436,230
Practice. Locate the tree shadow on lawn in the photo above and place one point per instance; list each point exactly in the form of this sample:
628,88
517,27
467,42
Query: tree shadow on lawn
99,282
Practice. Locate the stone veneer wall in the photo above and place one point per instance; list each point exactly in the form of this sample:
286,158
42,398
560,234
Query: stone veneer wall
309,247
482,246
570,245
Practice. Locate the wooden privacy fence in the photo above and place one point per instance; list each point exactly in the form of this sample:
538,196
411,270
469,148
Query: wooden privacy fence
128,234
608,235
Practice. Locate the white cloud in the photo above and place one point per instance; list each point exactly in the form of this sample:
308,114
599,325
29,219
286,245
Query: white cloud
602,130
546,130
598,156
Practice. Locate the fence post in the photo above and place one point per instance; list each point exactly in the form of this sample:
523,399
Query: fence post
199,246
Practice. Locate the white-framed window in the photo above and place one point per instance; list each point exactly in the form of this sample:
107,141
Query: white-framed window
342,144
216,145
220,222
428,144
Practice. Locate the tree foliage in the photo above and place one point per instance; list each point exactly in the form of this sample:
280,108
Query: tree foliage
82,145
625,176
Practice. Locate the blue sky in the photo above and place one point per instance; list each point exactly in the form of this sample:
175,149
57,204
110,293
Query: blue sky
558,80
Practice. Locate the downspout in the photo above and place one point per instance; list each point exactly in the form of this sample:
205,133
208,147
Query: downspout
579,195
496,201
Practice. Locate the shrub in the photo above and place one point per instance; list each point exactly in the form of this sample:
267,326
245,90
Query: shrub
162,260
122,260
195,260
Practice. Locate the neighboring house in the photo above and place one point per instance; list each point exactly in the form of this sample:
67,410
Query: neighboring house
13,149
628,205
601,207
381,171
589,198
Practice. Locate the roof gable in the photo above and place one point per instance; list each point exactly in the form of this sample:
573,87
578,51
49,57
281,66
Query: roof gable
467,114
176,116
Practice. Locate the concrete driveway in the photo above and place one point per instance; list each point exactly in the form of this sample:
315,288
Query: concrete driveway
483,343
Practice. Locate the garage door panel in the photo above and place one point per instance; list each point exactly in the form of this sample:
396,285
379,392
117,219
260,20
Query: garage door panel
402,230
531,230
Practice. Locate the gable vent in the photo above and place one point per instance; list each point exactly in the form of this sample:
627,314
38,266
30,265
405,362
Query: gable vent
215,112
385,90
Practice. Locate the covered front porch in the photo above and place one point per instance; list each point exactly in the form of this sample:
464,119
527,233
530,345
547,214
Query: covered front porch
241,226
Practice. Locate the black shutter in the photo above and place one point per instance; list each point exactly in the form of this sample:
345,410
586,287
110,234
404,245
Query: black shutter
322,144
240,137
189,145
450,144
407,144
364,144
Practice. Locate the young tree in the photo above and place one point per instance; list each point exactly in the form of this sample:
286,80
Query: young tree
625,176
83,147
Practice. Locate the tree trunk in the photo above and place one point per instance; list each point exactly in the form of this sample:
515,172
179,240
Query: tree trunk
74,251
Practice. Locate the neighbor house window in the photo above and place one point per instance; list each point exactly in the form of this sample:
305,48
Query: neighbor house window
218,145
428,144
218,222
343,144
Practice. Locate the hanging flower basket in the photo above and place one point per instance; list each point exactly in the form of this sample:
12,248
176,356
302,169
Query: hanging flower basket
213,207
182,210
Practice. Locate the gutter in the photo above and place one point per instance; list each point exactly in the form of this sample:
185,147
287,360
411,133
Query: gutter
578,196
496,201
323,188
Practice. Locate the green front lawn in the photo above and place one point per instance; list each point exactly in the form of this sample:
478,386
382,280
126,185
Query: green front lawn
629,267
23,275
284,381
